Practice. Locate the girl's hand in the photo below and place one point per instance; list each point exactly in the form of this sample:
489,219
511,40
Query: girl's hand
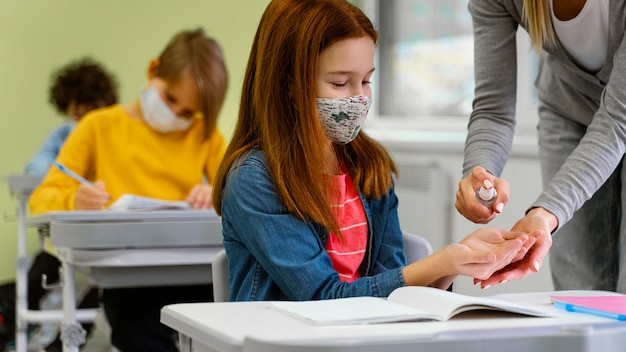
468,205
91,198
541,223
200,196
488,250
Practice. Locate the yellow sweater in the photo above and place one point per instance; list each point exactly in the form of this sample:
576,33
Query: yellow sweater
130,157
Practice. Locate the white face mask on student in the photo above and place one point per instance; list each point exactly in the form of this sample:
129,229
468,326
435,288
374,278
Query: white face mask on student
158,114
342,117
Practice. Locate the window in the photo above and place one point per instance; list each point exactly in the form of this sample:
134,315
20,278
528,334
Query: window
425,62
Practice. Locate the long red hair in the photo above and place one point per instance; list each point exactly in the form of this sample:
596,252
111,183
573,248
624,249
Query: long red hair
278,112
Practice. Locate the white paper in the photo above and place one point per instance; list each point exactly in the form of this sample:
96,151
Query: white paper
411,303
130,202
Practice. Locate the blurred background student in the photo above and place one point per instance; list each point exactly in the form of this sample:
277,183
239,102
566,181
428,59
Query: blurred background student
162,145
76,89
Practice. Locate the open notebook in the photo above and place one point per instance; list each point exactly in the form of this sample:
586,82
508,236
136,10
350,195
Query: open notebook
131,202
414,303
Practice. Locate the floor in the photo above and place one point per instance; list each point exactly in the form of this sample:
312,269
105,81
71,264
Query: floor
99,340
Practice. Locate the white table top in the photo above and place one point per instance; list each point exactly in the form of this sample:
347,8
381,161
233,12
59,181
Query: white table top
147,248
86,216
132,229
23,185
254,326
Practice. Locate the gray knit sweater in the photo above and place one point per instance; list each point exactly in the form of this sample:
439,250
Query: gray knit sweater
598,101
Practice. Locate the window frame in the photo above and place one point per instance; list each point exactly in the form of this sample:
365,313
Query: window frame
526,106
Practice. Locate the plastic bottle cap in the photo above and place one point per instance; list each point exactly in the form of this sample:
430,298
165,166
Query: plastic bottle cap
486,194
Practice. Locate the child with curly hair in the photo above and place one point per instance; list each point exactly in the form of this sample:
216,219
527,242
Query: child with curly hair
77,88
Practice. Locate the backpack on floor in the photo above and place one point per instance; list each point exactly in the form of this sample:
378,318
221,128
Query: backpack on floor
7,314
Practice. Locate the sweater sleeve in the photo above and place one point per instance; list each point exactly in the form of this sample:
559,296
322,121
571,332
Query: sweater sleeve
598,153
492,122
57,191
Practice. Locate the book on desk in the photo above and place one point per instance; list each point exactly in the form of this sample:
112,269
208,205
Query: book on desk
411,303
131,202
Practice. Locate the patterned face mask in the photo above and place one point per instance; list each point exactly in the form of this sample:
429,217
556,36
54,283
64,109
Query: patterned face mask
158,115
342,117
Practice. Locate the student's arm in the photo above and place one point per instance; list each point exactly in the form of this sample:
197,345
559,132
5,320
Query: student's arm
40,162
57,190
478,255
537,219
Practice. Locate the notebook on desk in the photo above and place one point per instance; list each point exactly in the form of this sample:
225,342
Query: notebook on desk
411,303
131,202
612,307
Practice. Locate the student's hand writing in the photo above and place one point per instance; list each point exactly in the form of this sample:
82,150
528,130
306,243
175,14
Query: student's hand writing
541,222
200,196
487,250
91,198
470,207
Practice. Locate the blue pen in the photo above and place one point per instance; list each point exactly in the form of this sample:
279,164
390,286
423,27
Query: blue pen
580,309
72,174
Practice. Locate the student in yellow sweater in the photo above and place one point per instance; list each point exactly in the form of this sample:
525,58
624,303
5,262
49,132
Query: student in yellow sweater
164,145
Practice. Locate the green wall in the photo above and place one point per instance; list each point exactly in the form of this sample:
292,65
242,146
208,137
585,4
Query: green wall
38,36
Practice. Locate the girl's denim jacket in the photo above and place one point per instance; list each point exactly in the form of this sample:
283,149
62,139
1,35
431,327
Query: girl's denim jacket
274,255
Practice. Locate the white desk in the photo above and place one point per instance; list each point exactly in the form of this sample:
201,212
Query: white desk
21,187
129,249
254,327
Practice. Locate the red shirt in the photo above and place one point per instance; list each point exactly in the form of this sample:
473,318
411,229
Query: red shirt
347,254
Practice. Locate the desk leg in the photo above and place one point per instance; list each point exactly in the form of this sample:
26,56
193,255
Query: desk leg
185,342
22,265
72,333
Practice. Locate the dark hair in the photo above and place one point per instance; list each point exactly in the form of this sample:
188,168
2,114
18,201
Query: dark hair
194,53
84,82
278,111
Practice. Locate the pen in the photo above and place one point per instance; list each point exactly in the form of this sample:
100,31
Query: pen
72,174
580,309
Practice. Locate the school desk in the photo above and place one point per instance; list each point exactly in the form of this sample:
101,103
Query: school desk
129,249
255,327
21,187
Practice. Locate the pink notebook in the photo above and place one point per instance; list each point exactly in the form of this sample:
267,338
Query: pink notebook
613,307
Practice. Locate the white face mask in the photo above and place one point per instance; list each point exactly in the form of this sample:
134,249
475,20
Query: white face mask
342,117
158,115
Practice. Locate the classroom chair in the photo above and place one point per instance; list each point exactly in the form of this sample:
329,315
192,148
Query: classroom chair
415,248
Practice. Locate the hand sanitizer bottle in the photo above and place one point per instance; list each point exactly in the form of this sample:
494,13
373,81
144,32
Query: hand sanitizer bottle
486,196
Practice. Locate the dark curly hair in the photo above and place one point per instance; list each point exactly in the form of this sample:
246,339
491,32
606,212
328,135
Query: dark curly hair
84,82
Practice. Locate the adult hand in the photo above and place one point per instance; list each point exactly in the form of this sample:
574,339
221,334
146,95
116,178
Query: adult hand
90,197
487,250
468,205
200,196
528,261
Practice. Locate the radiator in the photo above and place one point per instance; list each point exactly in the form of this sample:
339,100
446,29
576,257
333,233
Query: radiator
425,201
